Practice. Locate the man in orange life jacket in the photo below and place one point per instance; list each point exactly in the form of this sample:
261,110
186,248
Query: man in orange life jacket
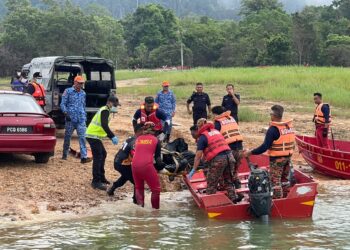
228,127
279,141
322,119
149,112
147,150
212,146
37,90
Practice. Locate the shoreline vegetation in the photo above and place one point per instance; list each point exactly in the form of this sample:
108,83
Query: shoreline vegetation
290,84
287,84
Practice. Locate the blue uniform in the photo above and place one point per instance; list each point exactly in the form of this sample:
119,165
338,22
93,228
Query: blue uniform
326,111
73,103
167,103
229,104
17,85
200,103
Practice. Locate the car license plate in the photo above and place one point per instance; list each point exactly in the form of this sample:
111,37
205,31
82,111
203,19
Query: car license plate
16,130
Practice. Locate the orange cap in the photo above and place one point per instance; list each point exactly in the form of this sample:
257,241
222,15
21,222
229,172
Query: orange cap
79,79
165,84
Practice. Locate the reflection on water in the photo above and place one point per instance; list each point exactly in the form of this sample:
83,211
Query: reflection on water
181,225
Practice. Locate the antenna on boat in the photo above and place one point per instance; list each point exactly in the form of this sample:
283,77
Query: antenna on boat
333,138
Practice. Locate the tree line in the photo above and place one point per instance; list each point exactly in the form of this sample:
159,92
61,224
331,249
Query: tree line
216,9
152,36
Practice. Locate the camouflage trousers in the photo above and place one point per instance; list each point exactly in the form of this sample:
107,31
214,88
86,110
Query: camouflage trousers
234,171
237,155
221,168
279,172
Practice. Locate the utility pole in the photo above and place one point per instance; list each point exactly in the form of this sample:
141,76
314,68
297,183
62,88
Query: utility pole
182,55
137,4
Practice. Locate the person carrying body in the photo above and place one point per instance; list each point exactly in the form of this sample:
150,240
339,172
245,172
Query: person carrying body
212,146
150,112
122,162
322,120
279,143
95,133
147,150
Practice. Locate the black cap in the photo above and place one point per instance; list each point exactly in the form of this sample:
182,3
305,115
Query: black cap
114,100
149,100
37,74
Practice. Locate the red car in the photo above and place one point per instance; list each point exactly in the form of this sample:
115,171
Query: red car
25,128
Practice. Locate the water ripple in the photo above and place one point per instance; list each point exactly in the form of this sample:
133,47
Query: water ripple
181,225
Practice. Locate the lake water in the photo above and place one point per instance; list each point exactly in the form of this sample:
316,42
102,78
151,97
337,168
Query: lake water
181,225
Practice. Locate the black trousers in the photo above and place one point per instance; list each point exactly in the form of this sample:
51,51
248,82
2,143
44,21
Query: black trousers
125,176
99,155
198,115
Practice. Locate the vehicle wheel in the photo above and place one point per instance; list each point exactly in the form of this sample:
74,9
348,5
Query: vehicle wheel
42,157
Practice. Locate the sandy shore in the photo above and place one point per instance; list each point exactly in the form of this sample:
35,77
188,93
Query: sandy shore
61,189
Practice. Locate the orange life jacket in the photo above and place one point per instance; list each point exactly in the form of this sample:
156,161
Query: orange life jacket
39,93
229,127
285,144
216,141
318,116
152,117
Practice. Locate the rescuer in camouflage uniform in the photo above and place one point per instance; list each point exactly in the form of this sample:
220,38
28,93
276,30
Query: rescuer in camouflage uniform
228,127
279,141
212,145
279,172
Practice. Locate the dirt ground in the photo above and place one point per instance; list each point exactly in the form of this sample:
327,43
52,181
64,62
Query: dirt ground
30,191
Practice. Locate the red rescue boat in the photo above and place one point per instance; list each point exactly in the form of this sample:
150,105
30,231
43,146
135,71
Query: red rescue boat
334,161
299,202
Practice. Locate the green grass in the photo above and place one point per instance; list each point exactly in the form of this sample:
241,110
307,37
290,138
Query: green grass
287,84
247,114
129,74
5,81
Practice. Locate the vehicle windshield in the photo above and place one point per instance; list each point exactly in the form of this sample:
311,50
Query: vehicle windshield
19,104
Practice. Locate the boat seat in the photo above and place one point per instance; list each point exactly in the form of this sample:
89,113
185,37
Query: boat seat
203,187
198,180
245,181
242,190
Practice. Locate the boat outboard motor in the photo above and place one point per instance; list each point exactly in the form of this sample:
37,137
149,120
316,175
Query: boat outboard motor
260,191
